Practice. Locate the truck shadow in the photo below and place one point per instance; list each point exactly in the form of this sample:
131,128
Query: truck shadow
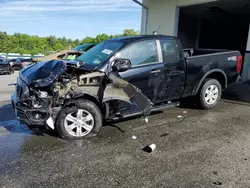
190,103
238,92
9,122
112,123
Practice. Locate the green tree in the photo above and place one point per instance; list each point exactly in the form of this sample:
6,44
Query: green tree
23,43
130,32
58,46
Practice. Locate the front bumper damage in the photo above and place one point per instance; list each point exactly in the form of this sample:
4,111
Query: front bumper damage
104,88
29,116
35,116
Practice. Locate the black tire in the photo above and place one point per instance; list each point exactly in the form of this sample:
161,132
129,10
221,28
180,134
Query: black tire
202,94
86,105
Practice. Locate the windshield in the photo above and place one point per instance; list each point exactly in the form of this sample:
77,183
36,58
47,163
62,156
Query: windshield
98,54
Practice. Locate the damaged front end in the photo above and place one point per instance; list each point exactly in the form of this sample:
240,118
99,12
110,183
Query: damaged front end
36,97
45,88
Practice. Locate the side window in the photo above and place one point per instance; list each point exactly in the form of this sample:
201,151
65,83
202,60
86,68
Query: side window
143,52
170,50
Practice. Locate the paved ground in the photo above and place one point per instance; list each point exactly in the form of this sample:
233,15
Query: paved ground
6,90
199,149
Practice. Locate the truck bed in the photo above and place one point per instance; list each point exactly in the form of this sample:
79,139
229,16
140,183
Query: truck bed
197,52
204,60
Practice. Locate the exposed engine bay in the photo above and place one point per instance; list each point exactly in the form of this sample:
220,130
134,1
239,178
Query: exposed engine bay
47,87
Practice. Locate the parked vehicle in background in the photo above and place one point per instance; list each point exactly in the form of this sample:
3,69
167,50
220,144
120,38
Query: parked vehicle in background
13,56
85,47
3,54
11,61
38,55
120,78
65,54
21,63
5,67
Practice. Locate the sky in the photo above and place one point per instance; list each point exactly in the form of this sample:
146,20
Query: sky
73,19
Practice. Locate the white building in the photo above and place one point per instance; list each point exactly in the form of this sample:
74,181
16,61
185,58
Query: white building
222,24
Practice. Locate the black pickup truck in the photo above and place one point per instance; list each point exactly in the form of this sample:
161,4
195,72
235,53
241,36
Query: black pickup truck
119,78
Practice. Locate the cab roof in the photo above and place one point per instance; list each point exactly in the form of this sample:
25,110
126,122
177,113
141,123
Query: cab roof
128,39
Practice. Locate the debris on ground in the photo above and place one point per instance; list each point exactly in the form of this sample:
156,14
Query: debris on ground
163,135
179,116
184,112
146,119
149,148
134,137
217,183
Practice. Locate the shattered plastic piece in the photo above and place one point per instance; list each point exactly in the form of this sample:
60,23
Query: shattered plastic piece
146,119
180,116
184,112
134,137
152,146
50,123
149,148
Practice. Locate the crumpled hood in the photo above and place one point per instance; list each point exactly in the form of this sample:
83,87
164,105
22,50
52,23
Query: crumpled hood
44,72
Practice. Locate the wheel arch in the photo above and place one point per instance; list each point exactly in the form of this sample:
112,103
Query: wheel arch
82,96
103,106
217,74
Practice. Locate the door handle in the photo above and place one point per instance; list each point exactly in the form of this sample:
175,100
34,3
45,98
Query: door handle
155,71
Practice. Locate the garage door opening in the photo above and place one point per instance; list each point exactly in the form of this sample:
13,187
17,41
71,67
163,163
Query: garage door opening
219,24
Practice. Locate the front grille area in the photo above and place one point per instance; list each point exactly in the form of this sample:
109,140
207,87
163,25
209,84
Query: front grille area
21,115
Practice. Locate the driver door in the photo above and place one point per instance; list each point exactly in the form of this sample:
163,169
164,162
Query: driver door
146,72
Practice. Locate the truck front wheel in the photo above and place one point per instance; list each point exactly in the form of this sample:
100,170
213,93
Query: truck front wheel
81,120
210,93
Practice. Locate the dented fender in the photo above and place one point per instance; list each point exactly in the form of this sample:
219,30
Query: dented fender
112,92
115,89
122,90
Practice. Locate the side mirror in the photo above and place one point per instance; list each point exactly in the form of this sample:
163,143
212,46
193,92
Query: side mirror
121,65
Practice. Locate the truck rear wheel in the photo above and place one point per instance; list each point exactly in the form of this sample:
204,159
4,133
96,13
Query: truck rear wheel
210,93
82,120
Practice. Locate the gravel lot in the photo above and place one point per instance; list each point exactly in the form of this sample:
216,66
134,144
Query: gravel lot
198,149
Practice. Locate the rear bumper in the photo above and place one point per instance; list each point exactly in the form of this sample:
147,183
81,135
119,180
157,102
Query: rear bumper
29,116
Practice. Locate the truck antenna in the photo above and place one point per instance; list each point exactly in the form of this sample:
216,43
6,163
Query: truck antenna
156,32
